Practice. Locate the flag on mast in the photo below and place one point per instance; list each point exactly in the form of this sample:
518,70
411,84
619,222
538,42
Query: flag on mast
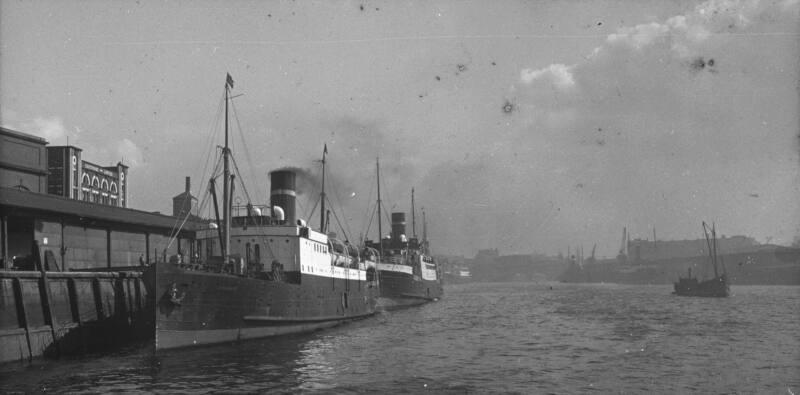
229,81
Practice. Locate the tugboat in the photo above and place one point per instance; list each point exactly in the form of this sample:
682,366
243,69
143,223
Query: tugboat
715,287
407,273
261,272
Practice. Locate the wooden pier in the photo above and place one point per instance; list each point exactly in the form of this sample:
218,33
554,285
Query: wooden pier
63,313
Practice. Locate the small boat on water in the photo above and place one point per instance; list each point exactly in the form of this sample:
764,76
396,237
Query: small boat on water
407,272
715,287
260,271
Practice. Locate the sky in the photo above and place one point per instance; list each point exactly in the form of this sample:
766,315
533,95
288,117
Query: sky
526,126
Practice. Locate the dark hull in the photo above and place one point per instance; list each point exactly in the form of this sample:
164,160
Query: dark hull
213,308
716,287
399,290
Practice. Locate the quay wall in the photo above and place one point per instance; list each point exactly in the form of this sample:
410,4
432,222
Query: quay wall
62,313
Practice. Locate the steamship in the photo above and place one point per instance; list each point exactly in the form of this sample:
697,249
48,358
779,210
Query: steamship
407,273
261,272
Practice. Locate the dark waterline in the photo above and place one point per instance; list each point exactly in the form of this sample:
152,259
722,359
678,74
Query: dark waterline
499,337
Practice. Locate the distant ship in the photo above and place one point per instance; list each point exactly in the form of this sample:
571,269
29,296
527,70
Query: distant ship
407,273
714,287
261,272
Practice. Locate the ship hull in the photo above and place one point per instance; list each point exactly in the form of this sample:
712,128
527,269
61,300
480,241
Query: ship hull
200,308
716,287
398,290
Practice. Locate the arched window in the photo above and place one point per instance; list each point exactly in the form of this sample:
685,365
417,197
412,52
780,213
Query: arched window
113,187
86,180
95,182
104,185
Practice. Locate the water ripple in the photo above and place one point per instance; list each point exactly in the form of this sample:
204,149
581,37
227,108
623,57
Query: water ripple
483,338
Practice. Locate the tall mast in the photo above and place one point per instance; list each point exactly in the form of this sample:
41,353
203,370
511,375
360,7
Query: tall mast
712,246
714,236
226,178
322,194
655,241
424,232
413,216
380,229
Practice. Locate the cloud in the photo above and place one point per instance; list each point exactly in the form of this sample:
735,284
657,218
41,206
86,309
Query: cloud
639,35
558,75
130,154
661,108
51,129
683,35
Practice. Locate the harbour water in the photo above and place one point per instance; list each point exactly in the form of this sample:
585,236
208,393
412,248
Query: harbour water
483,338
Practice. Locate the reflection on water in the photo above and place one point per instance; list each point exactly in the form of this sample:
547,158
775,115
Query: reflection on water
515,337
313,367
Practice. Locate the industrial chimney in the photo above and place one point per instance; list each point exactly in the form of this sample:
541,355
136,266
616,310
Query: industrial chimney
184,203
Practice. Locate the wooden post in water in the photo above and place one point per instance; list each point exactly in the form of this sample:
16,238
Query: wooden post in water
45,292
72,291
22,314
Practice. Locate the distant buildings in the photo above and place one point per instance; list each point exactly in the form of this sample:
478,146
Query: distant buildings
74,214
23,161
487,255
74,178
646,250
27,163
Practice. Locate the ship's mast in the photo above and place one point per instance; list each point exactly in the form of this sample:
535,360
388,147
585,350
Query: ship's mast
714,237
322,194
655,241
413,216
424,233
712,246
380,229
226,208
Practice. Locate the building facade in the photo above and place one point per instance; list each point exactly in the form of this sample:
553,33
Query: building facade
23,161
75,211
73,178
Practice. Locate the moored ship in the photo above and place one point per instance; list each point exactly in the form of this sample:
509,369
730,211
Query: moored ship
407,273
263,272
